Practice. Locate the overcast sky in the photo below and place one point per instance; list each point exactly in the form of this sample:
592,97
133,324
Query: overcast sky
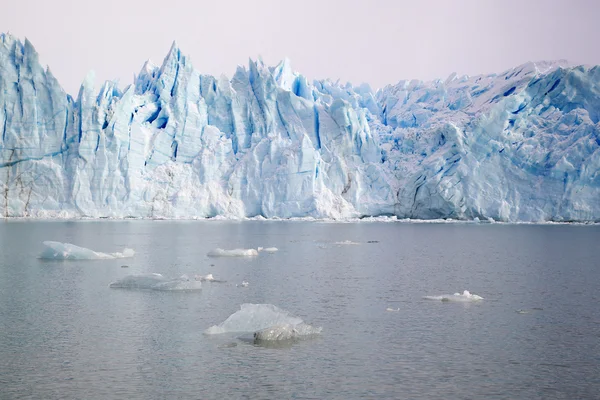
376,41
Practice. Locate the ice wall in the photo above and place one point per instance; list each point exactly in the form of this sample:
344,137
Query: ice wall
519,146
522,145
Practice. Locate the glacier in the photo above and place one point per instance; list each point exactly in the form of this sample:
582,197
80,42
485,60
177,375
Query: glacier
522,145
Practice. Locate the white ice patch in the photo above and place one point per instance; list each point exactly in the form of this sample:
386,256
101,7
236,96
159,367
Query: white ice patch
207,278
346,243
233,253
286,332
265,320
156,282
466,296
68,251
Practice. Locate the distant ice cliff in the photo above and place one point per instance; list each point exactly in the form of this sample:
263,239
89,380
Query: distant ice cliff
519,146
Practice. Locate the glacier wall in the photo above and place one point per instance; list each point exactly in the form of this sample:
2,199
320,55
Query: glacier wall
518,146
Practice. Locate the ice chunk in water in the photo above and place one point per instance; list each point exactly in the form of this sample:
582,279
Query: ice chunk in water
268,249
68,251
178,284
142,281
466,296
233,253
286,332
156,282
346,243
267,321
207,278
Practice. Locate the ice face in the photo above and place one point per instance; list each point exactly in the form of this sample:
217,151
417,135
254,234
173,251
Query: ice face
267,320
518,146
68,251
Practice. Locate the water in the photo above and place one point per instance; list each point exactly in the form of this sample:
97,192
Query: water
65,334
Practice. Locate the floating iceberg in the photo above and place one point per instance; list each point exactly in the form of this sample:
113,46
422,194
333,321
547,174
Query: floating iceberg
155,281
207,278
68,251
346,243
142,281
268,249
267,322
286,332
465,297
233,253
182,283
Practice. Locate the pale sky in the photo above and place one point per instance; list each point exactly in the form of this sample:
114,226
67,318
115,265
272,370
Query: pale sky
376,41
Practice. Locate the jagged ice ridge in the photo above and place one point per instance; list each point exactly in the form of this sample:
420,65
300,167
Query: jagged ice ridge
519,146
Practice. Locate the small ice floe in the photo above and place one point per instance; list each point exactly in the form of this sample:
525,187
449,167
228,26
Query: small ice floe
286,332
243,284
465,297
233,253
346,243
266,322
392,309
155,281
268,249
207,278
68,251
528,311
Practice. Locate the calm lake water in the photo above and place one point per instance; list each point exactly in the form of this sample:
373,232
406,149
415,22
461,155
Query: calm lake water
65,334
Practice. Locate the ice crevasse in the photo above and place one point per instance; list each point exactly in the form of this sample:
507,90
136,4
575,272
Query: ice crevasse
522,145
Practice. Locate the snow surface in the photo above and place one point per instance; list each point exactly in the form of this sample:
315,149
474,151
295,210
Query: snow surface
155,281
522,145
267,321
465,296
68,251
